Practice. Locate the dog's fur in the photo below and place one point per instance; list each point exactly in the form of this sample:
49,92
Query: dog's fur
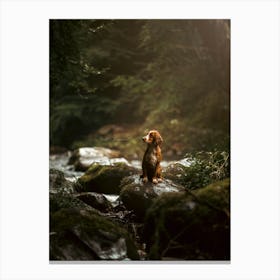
152,158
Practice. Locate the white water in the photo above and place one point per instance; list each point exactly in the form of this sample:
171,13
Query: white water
59,162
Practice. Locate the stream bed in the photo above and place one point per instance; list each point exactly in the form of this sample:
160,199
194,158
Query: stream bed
110,211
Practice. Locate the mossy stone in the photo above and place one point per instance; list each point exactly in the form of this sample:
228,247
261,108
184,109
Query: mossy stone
62,193
174,172
216,194
95,200
190,226
78,234
60,200
104,179
138,196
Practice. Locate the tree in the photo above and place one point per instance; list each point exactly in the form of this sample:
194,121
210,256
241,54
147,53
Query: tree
185,84
167,74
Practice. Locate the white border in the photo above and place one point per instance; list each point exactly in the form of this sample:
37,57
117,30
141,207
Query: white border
254,135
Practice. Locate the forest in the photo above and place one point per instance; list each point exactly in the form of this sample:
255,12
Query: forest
131,76
111,82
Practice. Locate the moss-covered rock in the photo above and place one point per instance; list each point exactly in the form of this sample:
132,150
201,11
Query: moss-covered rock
104,179
61,193
60,200
138,196
175,172
215,195
191,226
95,200
77,234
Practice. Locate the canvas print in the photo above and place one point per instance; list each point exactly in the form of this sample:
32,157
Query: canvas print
139,140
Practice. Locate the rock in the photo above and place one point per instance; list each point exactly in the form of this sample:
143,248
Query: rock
59,162
114,161
95,200
174,171
80,235
138,196
62,193
190,226
104,179
78,231
136,163
60,200
58,183
186,162
83,158
113,199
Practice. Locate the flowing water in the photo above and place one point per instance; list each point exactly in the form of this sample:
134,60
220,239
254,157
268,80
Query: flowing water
60,162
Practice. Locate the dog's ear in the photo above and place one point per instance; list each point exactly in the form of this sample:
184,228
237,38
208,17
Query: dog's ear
158,139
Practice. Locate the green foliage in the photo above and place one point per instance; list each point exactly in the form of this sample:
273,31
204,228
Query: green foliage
84,57
104,179
192,225
206,168
185,80
164,74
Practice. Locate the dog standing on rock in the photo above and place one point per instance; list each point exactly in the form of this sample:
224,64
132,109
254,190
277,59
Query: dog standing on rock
152,158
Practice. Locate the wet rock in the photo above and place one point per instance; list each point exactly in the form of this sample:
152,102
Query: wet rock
191,226
174,171
114,161
62,193
138,196
95,200
60,200
58,183
77,234
60,162
184,161
113,199
83,158
104,179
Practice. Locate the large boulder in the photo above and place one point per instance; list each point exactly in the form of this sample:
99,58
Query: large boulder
138,196
104,179
79,234
78,231
83,158
191,225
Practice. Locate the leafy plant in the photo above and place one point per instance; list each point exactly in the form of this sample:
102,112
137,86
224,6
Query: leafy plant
206,168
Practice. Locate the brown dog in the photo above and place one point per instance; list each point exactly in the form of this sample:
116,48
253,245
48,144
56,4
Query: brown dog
152,157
